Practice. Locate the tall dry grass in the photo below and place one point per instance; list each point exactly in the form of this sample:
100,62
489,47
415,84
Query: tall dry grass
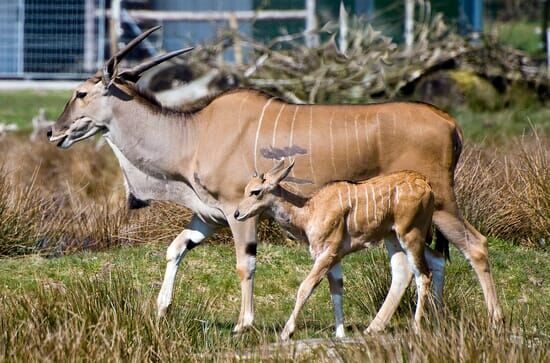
109,317
505,191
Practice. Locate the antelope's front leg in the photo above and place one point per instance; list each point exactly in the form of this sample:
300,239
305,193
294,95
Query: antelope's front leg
322,265
244,234
336,286
401,278
190,237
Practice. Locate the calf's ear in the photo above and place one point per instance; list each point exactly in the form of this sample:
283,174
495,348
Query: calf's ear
278,173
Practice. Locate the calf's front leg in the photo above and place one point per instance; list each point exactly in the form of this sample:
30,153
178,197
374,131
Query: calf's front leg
322,265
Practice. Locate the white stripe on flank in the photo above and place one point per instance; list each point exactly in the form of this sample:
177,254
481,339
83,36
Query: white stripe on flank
349,206
310,151
275,125
357,136
239,125
347,143
356,207
292,133
367,205
374,200
332,144
381,201
341,202
366,121
396,194
389,197
258,133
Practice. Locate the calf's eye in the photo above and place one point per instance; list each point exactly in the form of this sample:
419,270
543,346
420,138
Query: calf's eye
81,94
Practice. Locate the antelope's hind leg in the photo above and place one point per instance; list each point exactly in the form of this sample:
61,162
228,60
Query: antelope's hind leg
401,278
413,243
191,236
474,247
336,285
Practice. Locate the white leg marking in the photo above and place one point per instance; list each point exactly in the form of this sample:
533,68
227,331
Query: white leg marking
258,133
332,144
310,151
336,274
292,133
196,232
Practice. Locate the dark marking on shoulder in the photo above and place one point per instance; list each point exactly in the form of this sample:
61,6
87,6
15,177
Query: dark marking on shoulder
135,203
251,249
280,153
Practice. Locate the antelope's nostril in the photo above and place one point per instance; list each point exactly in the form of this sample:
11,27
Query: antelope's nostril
236,215
49,133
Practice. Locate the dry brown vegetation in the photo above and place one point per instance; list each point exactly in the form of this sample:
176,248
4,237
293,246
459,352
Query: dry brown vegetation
505,190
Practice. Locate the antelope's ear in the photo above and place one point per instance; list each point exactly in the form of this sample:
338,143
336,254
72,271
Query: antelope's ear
278,173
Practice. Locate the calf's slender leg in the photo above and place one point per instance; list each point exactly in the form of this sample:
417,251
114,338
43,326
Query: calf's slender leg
191,236
320,268
336,285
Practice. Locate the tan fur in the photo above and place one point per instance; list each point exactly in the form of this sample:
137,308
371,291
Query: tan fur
342,218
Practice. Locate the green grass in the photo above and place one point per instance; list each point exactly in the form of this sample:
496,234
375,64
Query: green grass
501,125
121,284
520,35
20,107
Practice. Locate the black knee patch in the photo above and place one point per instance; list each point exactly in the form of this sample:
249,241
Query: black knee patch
191,245
136,203
442,244
251,249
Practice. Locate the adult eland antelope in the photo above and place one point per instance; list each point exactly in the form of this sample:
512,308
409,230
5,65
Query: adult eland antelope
204,158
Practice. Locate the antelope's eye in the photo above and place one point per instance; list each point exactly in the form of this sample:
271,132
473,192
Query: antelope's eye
81,94
255,192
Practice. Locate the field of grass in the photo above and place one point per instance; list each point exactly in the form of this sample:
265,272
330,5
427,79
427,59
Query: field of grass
102,305
99,304
20,107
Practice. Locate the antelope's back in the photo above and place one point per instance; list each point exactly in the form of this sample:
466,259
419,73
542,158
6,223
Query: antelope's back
248,131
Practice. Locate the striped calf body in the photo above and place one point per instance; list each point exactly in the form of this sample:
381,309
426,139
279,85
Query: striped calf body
344,217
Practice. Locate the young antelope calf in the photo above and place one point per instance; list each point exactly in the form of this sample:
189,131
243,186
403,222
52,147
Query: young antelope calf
344,217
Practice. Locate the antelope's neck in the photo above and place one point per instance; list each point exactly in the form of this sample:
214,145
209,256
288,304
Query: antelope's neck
290,210
159,144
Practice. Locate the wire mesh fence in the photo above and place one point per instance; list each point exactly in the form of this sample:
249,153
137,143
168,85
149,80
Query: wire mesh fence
53,39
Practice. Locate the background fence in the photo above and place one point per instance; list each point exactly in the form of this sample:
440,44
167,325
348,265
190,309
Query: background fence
53,39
